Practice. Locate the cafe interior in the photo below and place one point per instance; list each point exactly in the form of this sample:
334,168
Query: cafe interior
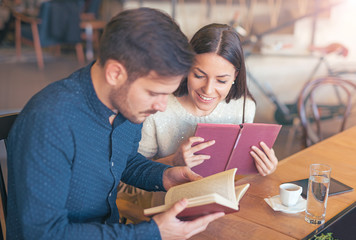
301,69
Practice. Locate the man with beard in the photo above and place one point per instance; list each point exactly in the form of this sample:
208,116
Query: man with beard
77,138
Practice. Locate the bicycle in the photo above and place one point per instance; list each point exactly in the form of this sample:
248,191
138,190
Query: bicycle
286,113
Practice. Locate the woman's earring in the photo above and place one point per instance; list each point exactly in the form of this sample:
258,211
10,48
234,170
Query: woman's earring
233,82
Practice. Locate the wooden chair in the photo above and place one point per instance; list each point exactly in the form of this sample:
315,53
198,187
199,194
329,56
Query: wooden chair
130,202
328,98
42,30
6,122
130,212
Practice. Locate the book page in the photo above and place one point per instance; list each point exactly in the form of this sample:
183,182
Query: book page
241,190
220,183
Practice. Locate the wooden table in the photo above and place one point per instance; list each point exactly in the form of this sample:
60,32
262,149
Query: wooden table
256,220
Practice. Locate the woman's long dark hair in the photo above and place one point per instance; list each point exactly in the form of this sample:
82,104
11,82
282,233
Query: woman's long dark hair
225,42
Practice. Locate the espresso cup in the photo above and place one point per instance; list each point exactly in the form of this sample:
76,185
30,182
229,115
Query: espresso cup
289,193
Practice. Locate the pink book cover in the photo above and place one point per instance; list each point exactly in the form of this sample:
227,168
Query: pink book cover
251,134
192,213
225,136
233,145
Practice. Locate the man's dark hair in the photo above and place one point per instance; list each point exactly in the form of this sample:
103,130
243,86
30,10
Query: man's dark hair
225,42
145,40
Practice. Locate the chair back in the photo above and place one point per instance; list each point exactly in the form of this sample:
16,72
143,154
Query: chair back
6,122
61,20
59,23
328,98
44,27
92,6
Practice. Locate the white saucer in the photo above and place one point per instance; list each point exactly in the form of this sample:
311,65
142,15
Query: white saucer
276,204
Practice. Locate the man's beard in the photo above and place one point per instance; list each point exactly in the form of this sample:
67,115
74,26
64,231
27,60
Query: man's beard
119,100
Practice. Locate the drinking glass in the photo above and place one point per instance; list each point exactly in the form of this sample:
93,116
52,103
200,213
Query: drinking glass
318,190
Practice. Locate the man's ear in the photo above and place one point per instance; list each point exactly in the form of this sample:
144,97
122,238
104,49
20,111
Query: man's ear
115,73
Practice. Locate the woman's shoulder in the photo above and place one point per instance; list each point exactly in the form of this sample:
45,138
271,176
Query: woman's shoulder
239,103
234,109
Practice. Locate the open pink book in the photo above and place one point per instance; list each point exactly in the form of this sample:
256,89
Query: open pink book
233,145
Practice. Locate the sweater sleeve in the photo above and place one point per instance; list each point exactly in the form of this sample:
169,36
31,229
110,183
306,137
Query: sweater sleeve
148,146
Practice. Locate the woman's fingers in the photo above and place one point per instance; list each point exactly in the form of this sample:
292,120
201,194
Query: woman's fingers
198,159
202,146
266,160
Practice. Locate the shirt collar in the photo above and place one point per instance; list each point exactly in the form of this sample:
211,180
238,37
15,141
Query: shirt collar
91,97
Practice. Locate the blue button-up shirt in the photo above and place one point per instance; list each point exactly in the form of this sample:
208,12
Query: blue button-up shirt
65,161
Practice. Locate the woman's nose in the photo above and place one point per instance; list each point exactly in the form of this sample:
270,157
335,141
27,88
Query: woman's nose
208,87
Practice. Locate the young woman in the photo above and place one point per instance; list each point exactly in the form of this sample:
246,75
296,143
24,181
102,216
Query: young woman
215,91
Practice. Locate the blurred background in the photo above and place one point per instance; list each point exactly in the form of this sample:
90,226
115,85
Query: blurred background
287,43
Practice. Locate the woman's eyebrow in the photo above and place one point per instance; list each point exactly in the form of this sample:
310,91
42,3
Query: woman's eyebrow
201,71
223,75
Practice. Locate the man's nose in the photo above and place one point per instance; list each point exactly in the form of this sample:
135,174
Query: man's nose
161,103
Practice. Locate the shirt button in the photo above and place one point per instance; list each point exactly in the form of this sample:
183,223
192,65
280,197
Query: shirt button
109,194
112,164
156,187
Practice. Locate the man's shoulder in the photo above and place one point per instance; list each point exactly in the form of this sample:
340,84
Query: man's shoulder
57,96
